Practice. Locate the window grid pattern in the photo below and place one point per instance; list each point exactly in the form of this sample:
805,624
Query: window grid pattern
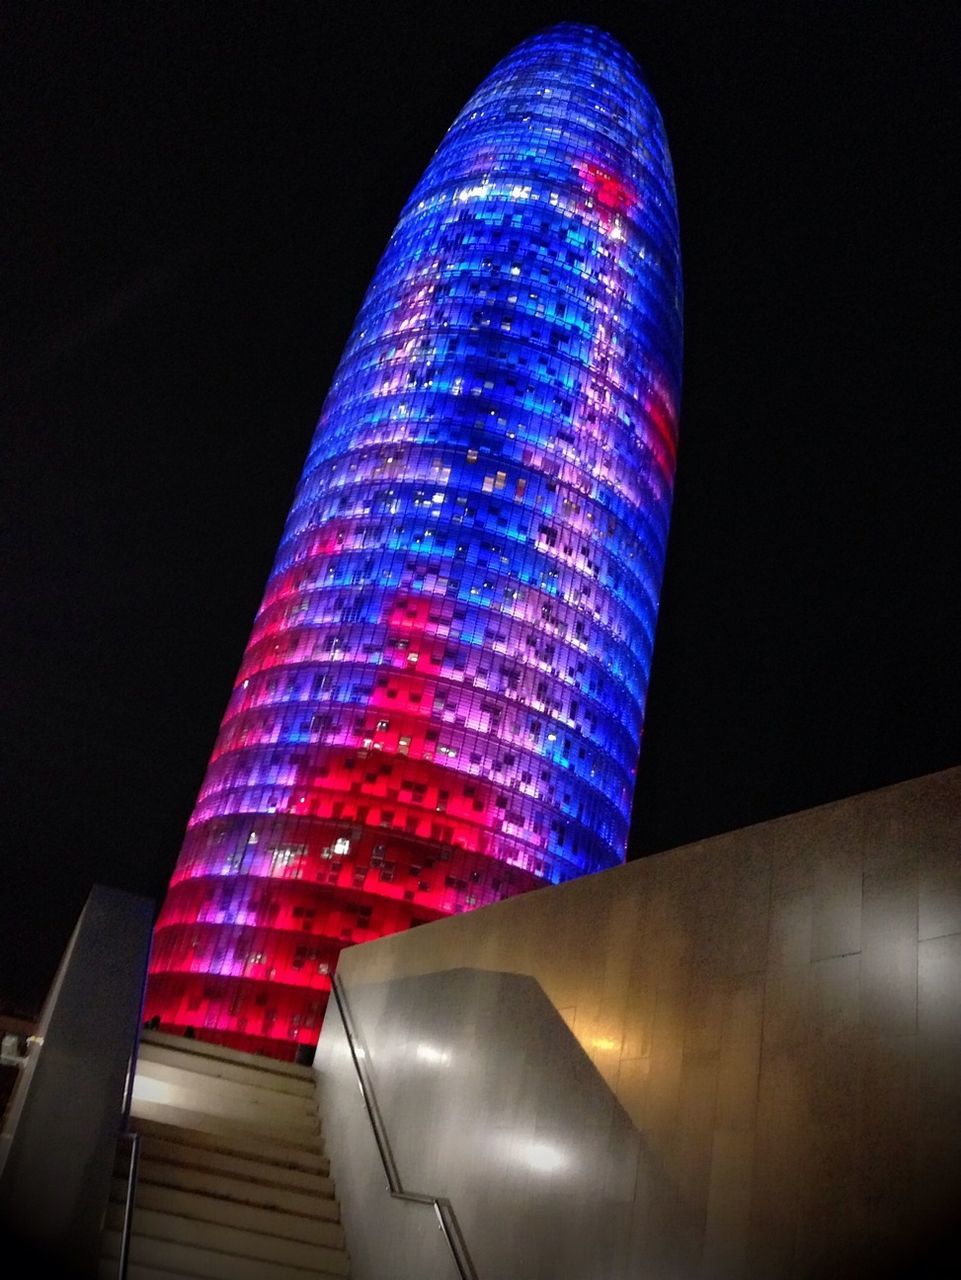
442,698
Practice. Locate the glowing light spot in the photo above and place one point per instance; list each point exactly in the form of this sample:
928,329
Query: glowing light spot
431,1054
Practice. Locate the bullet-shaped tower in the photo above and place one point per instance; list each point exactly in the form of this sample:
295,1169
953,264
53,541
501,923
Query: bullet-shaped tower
441,701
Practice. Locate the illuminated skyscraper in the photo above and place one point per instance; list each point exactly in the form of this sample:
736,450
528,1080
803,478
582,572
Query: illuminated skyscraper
441,701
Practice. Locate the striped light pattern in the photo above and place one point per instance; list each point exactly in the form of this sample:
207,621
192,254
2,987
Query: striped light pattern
441,701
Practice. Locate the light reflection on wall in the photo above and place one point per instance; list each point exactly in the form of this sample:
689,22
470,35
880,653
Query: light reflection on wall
543,1157
431,1054
441,701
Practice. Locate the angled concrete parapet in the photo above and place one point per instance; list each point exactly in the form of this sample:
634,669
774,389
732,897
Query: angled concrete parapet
59,1139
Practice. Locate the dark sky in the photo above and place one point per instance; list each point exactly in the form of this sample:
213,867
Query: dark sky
195,198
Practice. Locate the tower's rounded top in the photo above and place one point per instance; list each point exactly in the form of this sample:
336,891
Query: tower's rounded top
578,45
571,88
591,41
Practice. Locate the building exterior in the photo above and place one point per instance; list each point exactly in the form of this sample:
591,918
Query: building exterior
441,701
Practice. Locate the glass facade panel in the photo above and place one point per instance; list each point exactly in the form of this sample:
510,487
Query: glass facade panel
441,701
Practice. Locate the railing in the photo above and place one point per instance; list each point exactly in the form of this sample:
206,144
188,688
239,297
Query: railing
129,1135
442,1207
128,1204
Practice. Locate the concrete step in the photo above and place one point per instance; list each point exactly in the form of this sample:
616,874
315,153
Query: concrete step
306,1157
233,1244
201,1049
181,1085
250,1182
108,1271
304,1133
152,1259
202,1064
203,1207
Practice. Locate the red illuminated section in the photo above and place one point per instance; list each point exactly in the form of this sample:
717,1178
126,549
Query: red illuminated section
610,193
382,834
247,961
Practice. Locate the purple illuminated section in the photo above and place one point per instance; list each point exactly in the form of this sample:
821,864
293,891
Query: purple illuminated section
441,701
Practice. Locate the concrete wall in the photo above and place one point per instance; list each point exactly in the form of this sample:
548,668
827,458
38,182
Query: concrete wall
60,1131
738,1059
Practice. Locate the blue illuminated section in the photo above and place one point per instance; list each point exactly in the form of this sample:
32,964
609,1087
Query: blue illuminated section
442,698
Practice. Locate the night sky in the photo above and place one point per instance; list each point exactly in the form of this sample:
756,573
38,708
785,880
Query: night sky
195,198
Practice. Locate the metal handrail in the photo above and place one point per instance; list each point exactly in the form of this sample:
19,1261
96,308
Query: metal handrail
443,1208
129,1135
127,1228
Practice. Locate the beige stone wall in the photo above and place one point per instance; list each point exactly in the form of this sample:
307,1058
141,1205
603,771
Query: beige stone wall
778,1013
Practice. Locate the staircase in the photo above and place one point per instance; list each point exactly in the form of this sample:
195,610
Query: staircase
233,1181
